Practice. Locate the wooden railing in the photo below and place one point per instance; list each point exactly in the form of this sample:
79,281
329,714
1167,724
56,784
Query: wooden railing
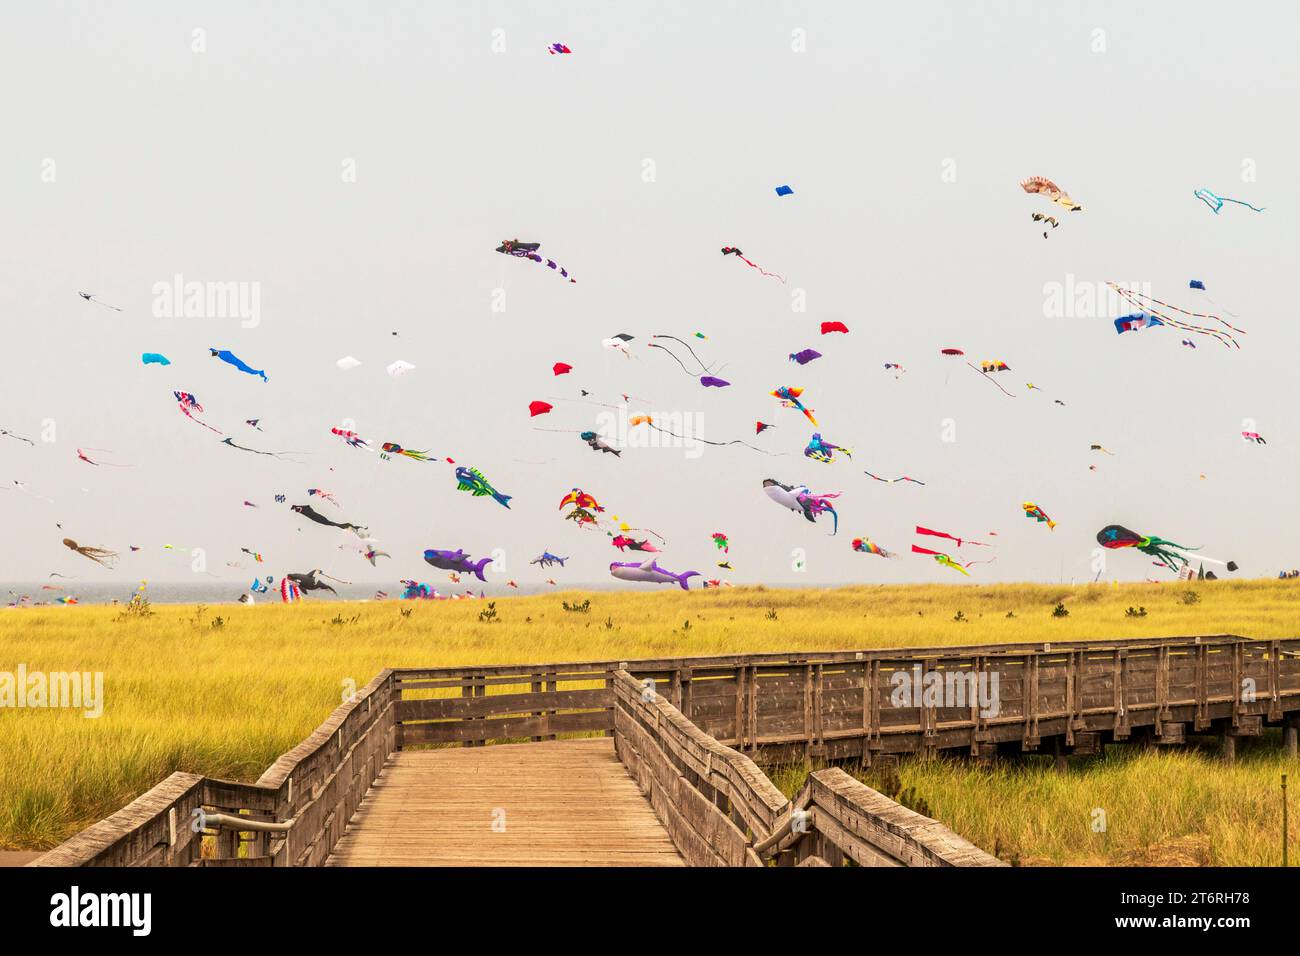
768,708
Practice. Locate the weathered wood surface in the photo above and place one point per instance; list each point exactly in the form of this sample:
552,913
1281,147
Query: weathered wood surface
555,803
837,818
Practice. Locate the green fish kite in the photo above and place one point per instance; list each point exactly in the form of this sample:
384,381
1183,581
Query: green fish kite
472,480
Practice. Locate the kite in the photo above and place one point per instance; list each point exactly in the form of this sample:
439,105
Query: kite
81,454
941,558
1216,202
260,586
91,297
352,438
799,499
326,495
784,191
5,432
1198,284
347,363
473,481
457,560
1255,437
1049,189
733,251
821,450
647,420
943,534
710,381
252,422
580,499
399,368
271,454
311,514
994,365
249,504
951,352
154,358
546,559
596,443
393,448
986,372
1033,511
1149,316
898,369
528,250
623,542
867,546
760,427
1102,450
726,564
618,343
890,481
1189,343
230,358
1115,536
650,572
279,499
558,48
98,555
829,327
189,405
561,368
308,582
789,397
686,345
581,517
805,356
371,553
256,555
1050,220
538,408
720,541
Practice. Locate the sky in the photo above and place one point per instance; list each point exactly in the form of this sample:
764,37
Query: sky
357,163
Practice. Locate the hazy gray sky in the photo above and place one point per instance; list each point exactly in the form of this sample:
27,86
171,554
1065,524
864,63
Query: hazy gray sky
904,130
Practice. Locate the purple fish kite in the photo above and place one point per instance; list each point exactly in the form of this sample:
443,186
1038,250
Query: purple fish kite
806,356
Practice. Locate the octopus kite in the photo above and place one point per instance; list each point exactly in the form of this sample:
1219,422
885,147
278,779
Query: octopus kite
800,499
1167,553
98,555
821,450
721,543
189,405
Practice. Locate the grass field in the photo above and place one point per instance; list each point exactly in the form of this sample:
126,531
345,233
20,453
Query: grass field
223,691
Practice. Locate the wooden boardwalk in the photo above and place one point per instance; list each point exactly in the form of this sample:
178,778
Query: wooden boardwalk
557,803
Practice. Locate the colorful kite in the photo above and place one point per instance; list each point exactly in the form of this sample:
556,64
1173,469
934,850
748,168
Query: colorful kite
1048,189
760,427
733,251
944,534
457,561
528,250
1033,511
350,437
324,495
720,541
546,559
898,370
1255,437
819,449
941,558
867,546
472,480
789,396
393,448
230,358
626,543
994,365
556,48
1151,315
800,499
189,405
1115,536
596,443
1216,202
580,499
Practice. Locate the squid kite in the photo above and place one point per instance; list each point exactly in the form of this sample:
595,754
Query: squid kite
1167,553
800,499
230,358
189,405
528,250
733,251
1033,511
819,449
393,448
98,555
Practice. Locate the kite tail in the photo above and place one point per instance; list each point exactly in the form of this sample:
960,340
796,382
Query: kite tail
1242,202
754,265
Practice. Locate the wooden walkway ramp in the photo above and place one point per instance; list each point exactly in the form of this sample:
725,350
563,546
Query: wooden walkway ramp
556,803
